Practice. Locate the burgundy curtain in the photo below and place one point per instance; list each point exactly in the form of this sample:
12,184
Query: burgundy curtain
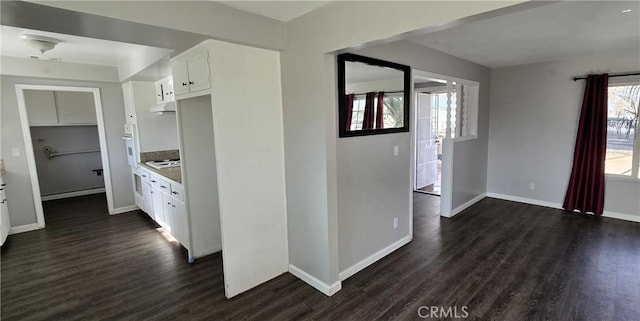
349,111
368,120
380,111
586,185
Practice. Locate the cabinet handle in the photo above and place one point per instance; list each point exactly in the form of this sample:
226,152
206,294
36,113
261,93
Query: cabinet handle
158,95
176,193
144,175
168,203
184,84
3,184
163,186
173,206
190,82
5,200
152,181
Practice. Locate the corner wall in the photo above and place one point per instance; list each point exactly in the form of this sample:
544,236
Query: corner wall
310,117
374,186
534,118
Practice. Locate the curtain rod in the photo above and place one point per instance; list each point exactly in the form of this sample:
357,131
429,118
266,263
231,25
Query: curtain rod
614,75
386,92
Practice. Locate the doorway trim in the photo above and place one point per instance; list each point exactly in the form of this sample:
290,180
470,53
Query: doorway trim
28,144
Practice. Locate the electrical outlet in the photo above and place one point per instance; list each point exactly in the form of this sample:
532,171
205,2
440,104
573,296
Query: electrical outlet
532,186
395,222
395,150
15,152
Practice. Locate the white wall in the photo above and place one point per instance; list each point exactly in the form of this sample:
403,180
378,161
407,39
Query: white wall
67,173
310,117
21,207
374,186
534,118
156,131
376,85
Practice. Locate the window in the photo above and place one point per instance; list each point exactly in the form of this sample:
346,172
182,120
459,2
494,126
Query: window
393,114
623,150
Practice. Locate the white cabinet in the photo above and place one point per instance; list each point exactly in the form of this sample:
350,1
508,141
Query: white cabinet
191,72
75,107
41,107
164,90
5,224
164,203
53,108
180,230
129,104
158,209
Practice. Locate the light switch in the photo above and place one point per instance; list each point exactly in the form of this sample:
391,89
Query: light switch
15,152
395,150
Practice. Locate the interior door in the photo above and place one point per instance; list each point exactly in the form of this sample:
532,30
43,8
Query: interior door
426,143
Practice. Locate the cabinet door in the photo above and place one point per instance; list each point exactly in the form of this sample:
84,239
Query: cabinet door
180,77
158,208
167,209
75,107
129,107
167,89
159,91
180,231
198,67
147,199
41,107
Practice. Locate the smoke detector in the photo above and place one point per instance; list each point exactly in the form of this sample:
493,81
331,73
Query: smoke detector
40,43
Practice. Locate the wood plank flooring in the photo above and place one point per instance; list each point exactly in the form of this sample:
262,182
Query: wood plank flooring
503,260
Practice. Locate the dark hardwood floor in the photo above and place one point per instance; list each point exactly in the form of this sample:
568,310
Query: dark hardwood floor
502,260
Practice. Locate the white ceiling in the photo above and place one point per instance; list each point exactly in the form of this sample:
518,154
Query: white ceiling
279,10
73,48
549,32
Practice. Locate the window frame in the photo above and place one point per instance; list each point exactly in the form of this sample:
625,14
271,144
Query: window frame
627,81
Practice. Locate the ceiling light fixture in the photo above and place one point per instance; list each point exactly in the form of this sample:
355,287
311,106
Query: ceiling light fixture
40,43
626,10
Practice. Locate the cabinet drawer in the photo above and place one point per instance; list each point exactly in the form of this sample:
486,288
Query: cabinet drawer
177,191
146,176
154,179
164,185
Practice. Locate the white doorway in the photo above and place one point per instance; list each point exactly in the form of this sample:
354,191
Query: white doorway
50,116
431,113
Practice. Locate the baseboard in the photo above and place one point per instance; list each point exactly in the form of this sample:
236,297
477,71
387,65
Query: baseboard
609,214
468,204
373,258
125,209
621,216
25,228
327,289
72,194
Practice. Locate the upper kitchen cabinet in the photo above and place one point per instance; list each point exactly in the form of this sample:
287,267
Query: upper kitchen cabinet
41,107
75,107
164,90
191,72
60,108
129,103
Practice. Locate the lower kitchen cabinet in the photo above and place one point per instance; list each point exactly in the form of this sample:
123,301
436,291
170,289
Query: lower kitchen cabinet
147,199
180,230
158,209
164,203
